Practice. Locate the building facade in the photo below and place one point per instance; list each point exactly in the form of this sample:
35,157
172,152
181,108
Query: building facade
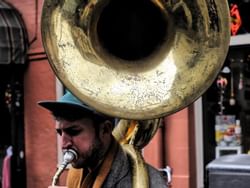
173,145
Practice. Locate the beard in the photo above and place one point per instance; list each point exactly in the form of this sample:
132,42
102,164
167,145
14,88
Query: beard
90,158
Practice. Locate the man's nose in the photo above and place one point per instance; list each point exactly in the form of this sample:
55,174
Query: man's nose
66,141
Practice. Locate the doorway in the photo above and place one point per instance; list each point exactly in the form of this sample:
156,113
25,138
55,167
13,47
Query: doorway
228,98
12,124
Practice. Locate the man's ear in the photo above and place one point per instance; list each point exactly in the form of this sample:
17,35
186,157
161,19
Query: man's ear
106,127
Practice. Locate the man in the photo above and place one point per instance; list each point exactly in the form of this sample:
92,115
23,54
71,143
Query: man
101,162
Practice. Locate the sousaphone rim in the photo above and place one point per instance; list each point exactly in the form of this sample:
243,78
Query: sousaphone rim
131,108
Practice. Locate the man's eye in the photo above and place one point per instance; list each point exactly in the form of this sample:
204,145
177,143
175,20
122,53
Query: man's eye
59,131
72,132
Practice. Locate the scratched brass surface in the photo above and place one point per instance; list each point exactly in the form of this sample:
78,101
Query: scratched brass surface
162,82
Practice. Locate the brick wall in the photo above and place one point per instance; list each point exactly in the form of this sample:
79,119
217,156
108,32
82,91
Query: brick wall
39,84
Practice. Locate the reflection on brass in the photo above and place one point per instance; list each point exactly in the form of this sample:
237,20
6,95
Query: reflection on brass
136,59
126,62
133,136
137,133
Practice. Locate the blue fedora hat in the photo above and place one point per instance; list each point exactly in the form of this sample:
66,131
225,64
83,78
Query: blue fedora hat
69,104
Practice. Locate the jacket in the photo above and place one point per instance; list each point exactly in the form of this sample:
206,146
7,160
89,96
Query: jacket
119,176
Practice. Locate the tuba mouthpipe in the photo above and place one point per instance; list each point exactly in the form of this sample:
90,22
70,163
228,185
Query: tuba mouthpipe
68,157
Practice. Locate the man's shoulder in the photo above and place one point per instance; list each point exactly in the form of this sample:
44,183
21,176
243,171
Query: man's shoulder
120,164
119,175
121,172
156,179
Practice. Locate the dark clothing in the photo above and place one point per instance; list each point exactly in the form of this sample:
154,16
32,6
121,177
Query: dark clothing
120,174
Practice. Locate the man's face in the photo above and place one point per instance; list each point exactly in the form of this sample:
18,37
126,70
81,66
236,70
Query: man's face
81,136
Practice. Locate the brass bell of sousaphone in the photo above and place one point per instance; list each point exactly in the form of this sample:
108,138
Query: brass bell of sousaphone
136,59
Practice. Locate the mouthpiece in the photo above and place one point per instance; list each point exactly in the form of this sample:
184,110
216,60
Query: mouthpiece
68,157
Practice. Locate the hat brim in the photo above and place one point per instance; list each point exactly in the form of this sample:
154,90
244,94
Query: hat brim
58,107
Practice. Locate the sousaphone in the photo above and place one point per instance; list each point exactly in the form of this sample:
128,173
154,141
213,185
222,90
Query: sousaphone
136,59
